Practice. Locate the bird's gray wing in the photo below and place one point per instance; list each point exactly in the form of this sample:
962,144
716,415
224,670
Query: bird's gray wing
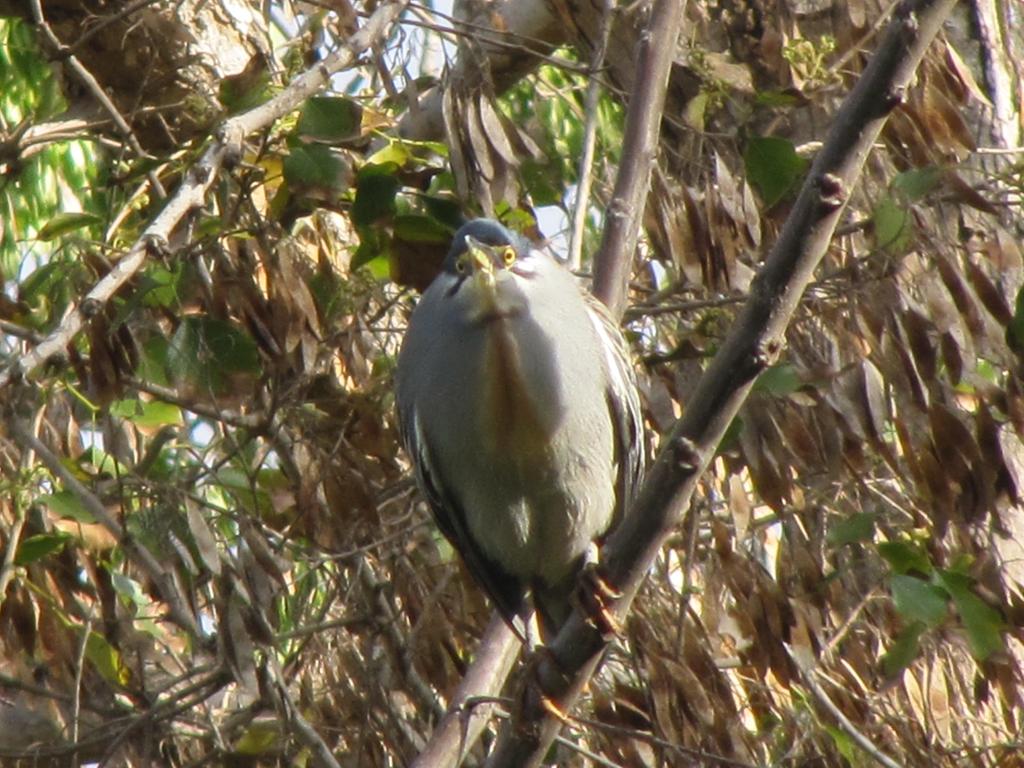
624,408
506,592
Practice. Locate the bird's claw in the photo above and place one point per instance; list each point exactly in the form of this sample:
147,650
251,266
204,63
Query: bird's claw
594,597
533,682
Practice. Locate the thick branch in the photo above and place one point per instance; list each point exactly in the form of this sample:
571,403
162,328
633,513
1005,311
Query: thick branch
753,344
640,143
465,718
191,195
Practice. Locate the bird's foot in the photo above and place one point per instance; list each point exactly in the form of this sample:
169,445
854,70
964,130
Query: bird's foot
537,681
594,597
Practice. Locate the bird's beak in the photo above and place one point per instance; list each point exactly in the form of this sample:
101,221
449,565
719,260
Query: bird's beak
483,262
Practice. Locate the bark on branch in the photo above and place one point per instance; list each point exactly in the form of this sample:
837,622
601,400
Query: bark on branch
754,343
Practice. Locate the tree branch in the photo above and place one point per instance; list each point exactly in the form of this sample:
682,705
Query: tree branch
464,720
191,195
754,343
640,144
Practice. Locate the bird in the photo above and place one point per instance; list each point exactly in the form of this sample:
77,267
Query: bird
518,407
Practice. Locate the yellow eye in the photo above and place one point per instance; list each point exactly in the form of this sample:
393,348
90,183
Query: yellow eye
460,265
508,255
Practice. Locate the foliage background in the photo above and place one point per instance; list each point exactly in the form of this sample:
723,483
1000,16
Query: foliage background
853,586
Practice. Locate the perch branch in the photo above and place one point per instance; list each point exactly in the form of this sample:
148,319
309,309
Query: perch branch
753,344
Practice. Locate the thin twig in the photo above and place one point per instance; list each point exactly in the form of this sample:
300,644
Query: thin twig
13,540
844,722
474,702
76,693
97,92
585,177
191,195
298,724
657,51
137,552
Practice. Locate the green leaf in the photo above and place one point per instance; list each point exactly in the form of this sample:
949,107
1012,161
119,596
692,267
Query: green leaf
1015,329
315,165
779,380
66,505
129,590
893,225
161,287
375,194
106,658
96,461
918,600
845,744
147,414
903,650
330,118
39,546
983,623
259,738
247,89
904,557
773,167
914,184
776,99
395,152
62,223
207,351
416,228
858,527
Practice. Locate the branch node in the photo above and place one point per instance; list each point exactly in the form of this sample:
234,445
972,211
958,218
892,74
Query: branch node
832,191
201,173
232,155
896,96
156,245
90,307
767,353
686,455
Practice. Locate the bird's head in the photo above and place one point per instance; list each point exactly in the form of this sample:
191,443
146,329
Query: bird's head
488,265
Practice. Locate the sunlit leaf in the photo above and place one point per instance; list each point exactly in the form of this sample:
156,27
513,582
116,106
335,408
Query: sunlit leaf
106,659
147,414
63,223
67,505
258,738
893,225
